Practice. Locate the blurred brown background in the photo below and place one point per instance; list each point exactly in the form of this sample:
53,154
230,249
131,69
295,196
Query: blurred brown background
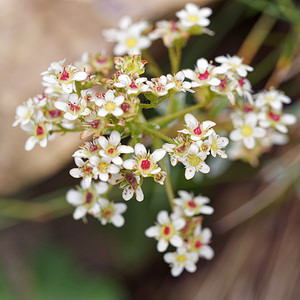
256,259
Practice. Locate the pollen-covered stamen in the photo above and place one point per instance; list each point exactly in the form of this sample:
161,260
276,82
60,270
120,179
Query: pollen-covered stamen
203,76
88,197
64,75
246,130
181,258
192,204
194,160
95,124
93,147
39,130
102,167
74,108
223,84
55,113
274,117
132,85
198,244
197,130
125,107
130,179
146,164
87,170
181,149
193,19
241,81
167,230
110,106
131,42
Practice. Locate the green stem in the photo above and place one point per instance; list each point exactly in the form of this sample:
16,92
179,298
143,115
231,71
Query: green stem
173,60
153,65
154,132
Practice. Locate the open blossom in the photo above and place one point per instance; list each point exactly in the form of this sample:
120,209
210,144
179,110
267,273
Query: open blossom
278,121
84,170
131,85
204,74
235,64
193,15
180,260
194,162
246,130
111,212
59,79
75,107
169,32
145,164
195,129
88,149
160,86
85,199
216,144
112,148
166,231
199,242
129,38
24,113
179,84
272,98
191,205
110,104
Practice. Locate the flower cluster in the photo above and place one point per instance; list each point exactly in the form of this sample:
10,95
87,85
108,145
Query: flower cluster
182,229
194,144
104,98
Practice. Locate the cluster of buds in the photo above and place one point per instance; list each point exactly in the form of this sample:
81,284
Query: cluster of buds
103,98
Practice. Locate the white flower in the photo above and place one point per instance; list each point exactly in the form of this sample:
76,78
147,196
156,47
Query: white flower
132,86
194,15
273,98
85,199
204,74
278,121
160,86
145,163
199,243
102,167
75,107
24,113
234,63
88,149
191,205
61,80
129,38
111,212
194,162
179,84
110,104
195,129
180,260
112,147
216,144
246,130
84,170
166,231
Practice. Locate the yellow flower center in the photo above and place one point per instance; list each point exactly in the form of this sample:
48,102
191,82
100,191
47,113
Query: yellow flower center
102,167
193,19
131,42
181,258
194,160
110,106
269,99
246,130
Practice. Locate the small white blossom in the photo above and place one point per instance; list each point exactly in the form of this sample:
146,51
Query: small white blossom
129,38
85,199
111,212
179,84
110,104
195,129
235,64
160,86
84,170
166,231
246,130
132,86
103,166
180,260
272,98
193,15
61,80
191,205
216,144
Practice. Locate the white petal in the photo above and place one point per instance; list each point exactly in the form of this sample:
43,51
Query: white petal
117,112
115,138
189,172
207,210
140,150
249,142
74,197
259,132
117,160
125,149
163,217
162,245
103,142
190,121
79,212
207,252
190,267
30,143
139,194
176,271
169,257
235,135
120,208
176,241
127,193
158,154
118,220
206,235
75,172
152,231
129,164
